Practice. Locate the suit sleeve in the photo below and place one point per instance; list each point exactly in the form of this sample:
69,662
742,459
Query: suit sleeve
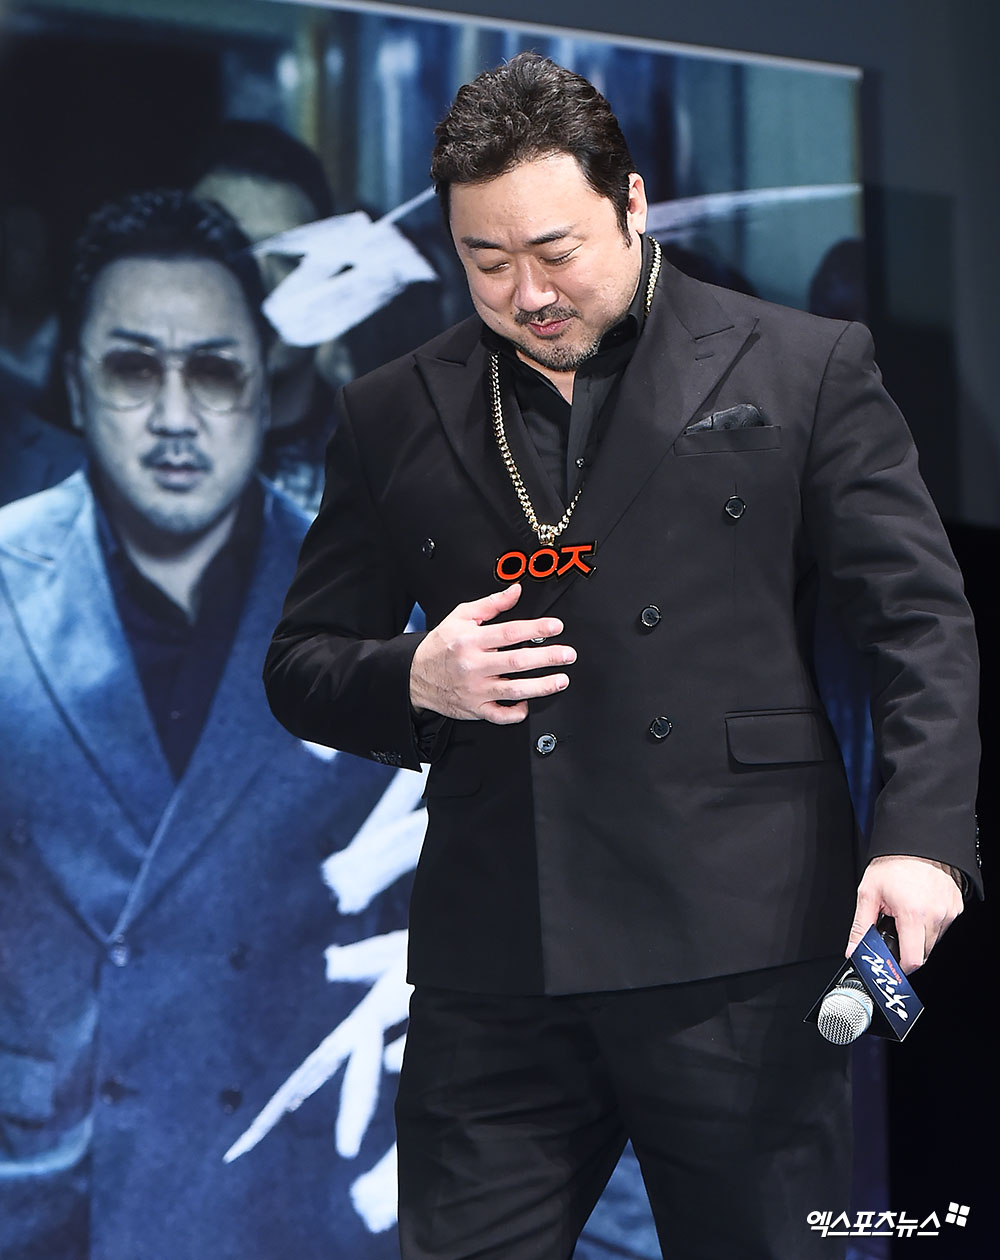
883,552
337,671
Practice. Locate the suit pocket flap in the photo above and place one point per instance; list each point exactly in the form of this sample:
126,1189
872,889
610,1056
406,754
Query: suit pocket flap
755,437
27,1087
773,737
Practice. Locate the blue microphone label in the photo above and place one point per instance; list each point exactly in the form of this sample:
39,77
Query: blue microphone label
883,977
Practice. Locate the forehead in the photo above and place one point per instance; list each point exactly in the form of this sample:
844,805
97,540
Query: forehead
528,201
175,301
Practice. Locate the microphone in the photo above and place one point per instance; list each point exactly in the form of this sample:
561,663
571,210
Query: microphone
868,992
845,1014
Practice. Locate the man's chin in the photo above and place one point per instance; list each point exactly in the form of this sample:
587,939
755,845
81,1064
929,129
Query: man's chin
555,356
179,523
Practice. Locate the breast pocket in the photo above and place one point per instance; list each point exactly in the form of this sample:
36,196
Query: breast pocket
757,437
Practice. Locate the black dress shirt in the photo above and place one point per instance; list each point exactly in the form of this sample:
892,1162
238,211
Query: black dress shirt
565,436
180,660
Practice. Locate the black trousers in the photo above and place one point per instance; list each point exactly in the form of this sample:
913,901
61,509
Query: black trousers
512,1113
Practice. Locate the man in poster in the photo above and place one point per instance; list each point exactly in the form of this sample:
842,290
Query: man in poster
640,863
163,920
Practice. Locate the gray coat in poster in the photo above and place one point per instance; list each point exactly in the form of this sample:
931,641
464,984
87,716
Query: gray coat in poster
163,945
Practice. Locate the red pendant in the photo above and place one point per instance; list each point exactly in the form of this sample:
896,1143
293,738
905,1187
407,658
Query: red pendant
546,562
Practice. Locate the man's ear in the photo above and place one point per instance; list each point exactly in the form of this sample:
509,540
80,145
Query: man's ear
74,389
637,204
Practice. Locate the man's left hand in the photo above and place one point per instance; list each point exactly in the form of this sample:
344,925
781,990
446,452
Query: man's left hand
922,896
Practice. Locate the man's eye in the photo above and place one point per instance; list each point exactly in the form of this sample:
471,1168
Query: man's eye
132,365
554,262
490,271
215,369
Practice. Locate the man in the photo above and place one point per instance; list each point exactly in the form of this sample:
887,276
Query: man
640,861
269,182
163,918
33,453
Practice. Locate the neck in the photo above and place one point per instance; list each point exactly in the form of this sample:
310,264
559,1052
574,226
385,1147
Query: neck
563,381
176,564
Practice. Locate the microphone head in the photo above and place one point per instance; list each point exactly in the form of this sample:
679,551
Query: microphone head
845,1013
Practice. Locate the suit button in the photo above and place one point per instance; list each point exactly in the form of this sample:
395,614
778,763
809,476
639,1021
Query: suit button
427,547
119,953
113,1090
735,507
650,616
660,727
545,744
230,1099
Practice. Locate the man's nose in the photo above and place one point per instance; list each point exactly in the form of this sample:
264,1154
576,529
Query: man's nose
533,288
172,411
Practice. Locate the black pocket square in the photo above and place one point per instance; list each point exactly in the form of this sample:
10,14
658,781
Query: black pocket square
742,416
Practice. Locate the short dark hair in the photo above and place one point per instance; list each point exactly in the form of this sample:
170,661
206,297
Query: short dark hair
524,109
163,223
245,146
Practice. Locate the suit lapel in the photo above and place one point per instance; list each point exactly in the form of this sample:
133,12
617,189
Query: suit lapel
688,345
238,742
459,388
63,601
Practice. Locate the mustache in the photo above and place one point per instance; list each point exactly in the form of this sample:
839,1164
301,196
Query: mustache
547,314
179,452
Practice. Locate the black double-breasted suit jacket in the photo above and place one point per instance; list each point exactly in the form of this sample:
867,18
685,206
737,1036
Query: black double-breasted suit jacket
681,810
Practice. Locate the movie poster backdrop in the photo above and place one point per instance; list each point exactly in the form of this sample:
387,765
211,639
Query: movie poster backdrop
273,880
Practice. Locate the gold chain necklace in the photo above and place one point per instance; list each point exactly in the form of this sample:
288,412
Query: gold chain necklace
547,534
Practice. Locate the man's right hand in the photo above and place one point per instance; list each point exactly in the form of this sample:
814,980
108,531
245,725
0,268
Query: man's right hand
461,668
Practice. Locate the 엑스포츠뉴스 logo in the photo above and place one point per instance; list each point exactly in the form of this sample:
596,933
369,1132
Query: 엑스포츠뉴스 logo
878,1224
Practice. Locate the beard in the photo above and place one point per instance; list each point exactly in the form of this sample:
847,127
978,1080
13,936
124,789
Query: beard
558,358
557,355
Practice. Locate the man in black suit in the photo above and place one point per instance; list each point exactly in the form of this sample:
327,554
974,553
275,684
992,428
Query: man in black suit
640,863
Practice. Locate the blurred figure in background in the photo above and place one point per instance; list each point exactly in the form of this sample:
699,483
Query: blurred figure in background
838,288
269,182
33,453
